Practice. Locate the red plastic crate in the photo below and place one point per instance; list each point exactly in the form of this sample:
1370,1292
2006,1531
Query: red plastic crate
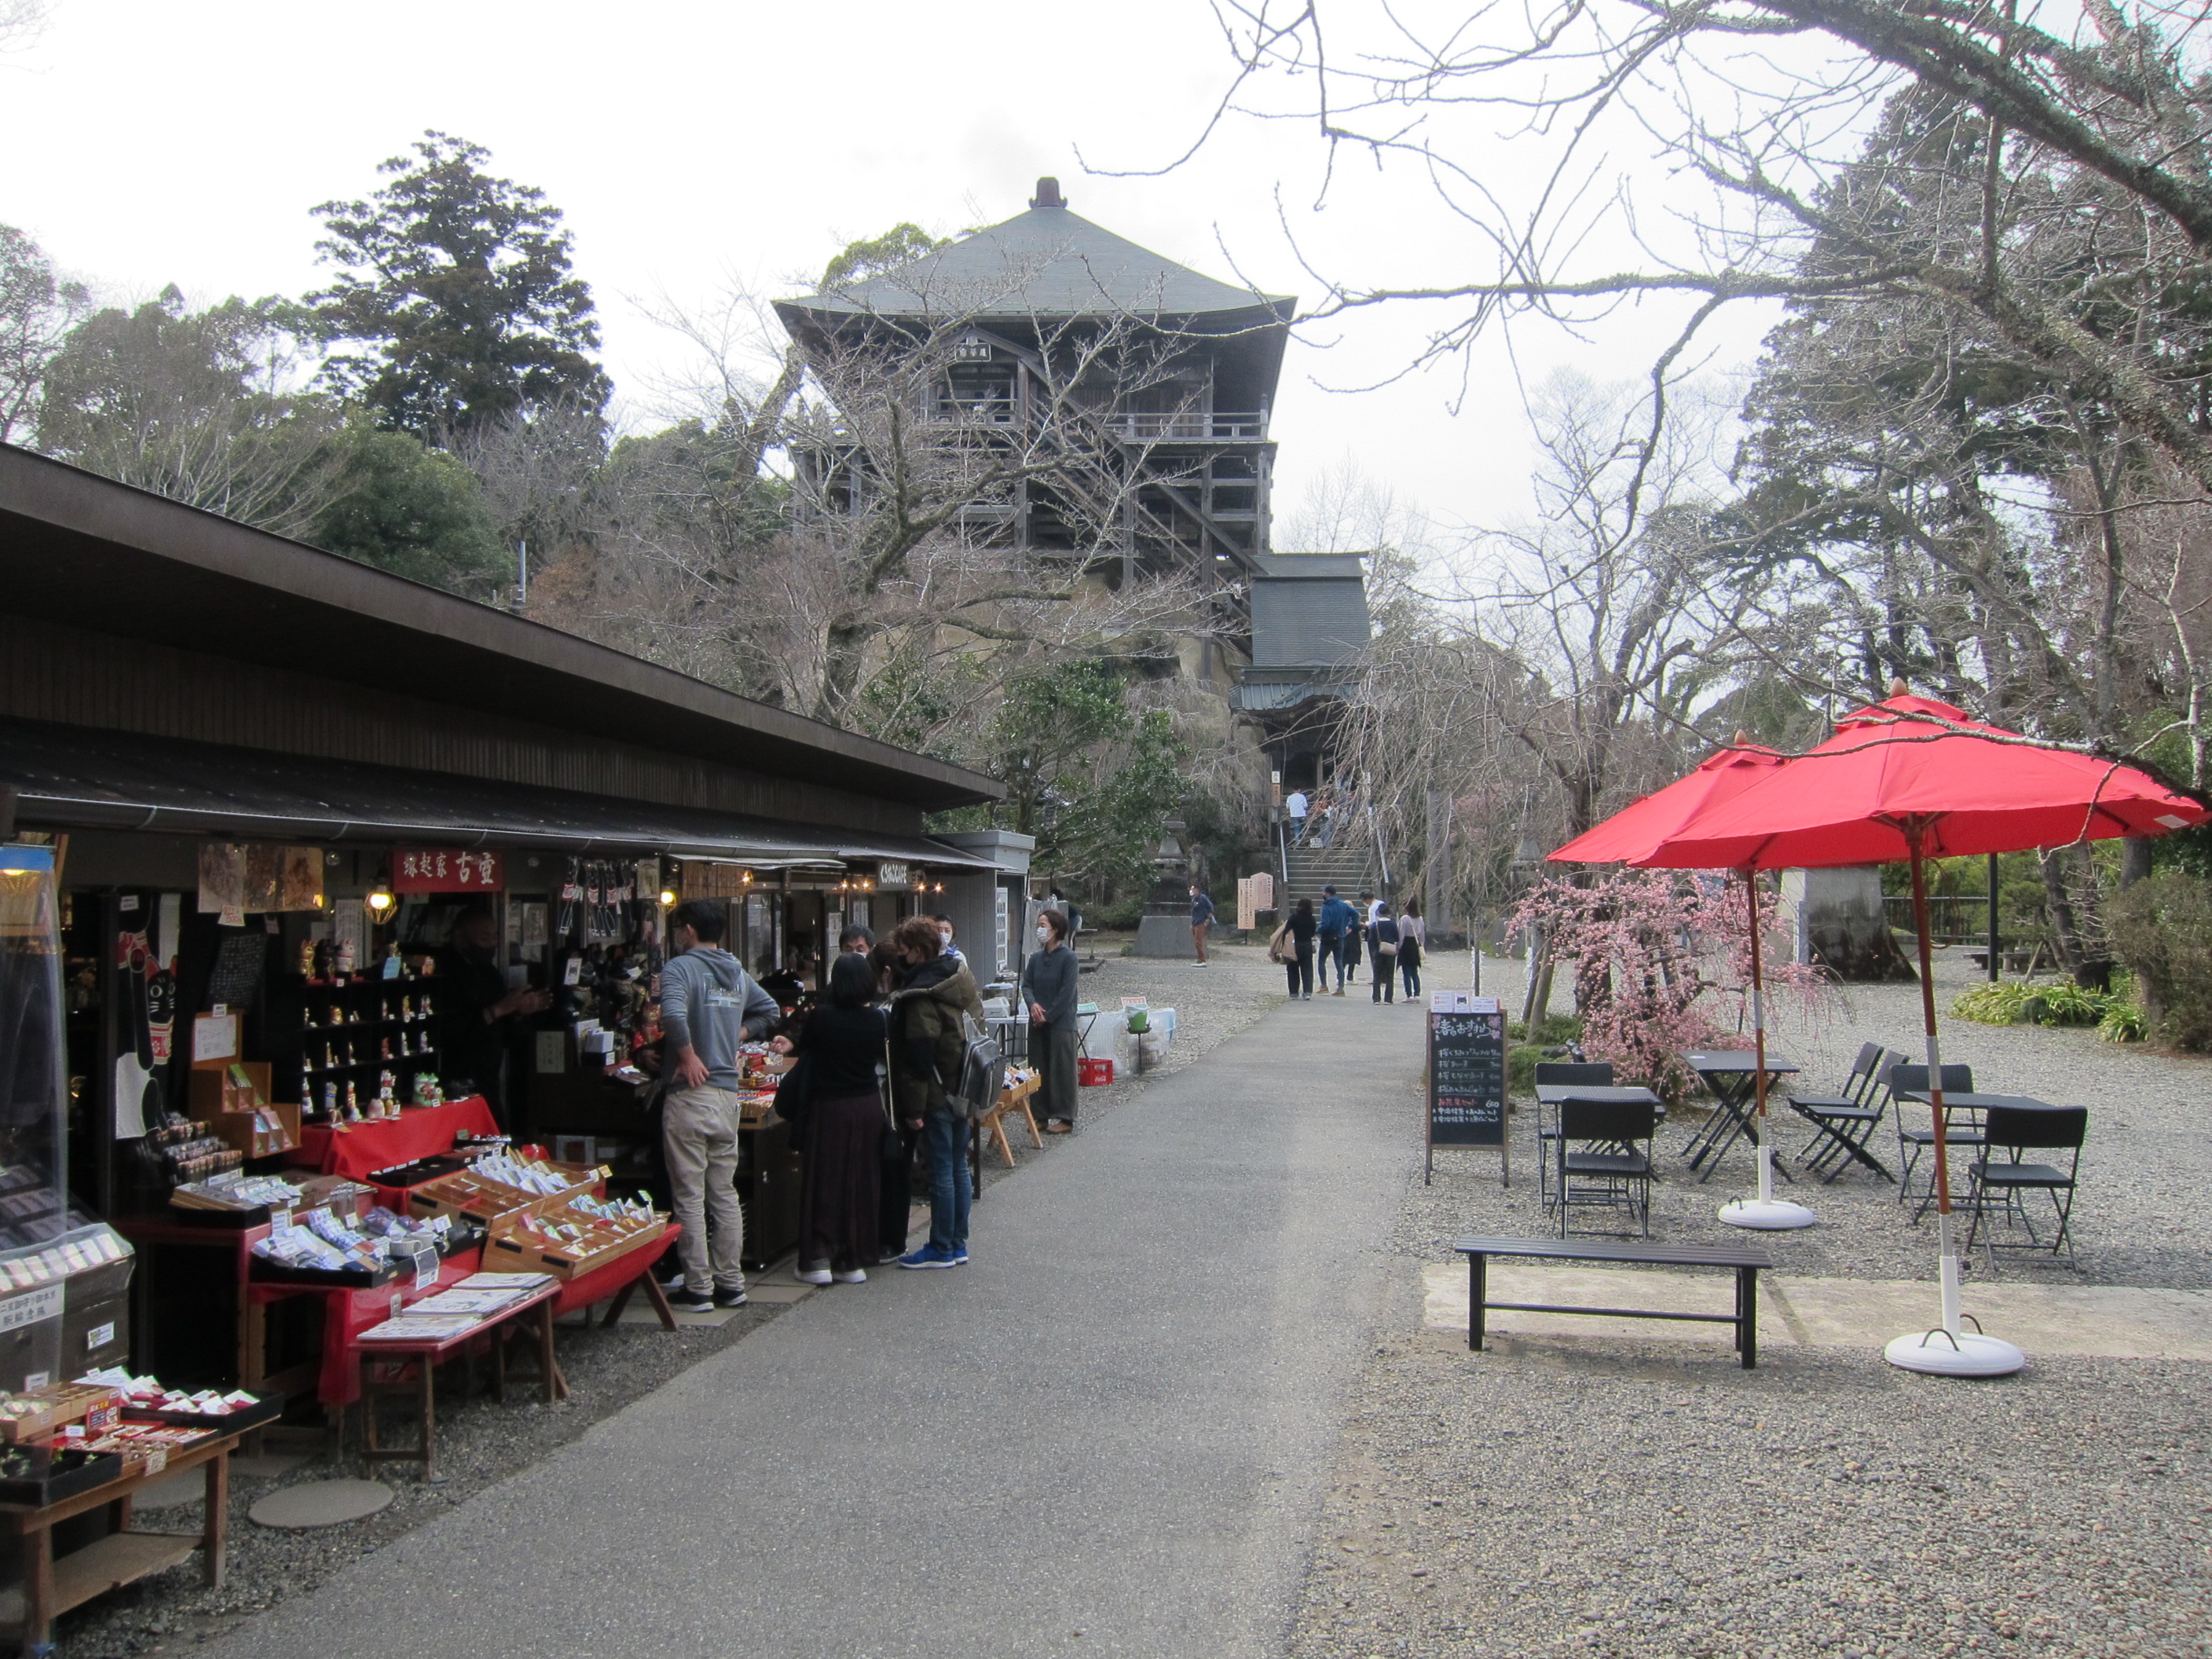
1094,1073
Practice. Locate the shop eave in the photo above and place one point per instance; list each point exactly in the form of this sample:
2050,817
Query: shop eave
86,551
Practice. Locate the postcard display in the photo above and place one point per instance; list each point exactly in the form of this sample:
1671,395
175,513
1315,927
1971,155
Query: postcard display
64,1278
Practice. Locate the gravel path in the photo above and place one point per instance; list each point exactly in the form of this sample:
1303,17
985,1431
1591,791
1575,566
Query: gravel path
1620,1497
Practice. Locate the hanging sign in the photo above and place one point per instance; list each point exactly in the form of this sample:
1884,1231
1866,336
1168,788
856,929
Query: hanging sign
447,870
1467,1076
891,872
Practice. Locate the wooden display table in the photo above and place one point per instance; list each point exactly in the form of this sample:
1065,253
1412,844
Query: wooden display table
426,1355
992,1124
51,1588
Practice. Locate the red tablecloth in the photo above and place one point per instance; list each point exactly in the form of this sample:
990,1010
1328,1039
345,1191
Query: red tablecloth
418,1132
347,1314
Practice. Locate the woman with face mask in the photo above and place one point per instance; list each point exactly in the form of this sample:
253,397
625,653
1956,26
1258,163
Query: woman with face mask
1048,980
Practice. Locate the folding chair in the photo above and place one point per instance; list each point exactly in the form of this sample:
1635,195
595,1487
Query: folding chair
2018,1129
1598,1073
1606,1178
1904,1077
1844,1123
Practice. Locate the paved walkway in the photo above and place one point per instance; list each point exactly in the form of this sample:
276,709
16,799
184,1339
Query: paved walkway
1110,1434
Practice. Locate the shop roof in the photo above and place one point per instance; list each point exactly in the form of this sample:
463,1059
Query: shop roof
67,777
85,552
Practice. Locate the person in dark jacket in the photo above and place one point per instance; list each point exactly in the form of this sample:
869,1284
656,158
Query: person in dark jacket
477,1013
1048,986
1299,963
928,1048
1201,918
843,1043
1382,954
1336,917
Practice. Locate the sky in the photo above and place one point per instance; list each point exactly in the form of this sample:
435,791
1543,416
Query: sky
700,148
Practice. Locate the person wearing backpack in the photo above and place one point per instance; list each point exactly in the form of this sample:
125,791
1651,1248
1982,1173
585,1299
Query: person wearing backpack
1413,945
1336,916
1048,987
1383,953
928,1055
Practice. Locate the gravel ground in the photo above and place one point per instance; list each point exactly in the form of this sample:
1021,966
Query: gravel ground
2143,1215
1616,1498
481,1442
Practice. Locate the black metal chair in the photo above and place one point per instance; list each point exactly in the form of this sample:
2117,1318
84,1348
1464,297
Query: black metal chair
1609,1178
2017,1129
1595,1072
1842,1123
1906,1077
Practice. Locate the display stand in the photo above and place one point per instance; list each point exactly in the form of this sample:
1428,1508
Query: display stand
51,1587
424,1358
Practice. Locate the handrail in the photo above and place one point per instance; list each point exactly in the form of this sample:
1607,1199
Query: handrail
1381,855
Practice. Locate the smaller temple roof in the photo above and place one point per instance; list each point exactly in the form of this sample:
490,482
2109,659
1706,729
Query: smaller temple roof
1309,610
1047,262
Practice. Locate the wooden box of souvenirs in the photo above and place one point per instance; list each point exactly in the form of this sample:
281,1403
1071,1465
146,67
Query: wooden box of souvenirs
578,1237
502,1185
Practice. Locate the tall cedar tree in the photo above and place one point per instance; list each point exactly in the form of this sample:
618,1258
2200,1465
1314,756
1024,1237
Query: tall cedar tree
458,284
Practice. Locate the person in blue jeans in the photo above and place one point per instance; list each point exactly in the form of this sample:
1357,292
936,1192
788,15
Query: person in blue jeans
928,1048
1335,916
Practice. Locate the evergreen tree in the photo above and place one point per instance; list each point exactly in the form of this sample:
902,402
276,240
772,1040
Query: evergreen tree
456,288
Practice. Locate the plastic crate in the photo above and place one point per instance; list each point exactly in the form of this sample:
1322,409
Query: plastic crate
1094,1073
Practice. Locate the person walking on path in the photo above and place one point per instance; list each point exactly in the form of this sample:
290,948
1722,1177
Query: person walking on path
1383,942
1298,954
708,1005
1412,945
1201,918
928,1047
1048,986
843,1136
1295,808
1335,916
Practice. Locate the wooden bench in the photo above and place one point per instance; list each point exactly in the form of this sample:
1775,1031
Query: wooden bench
1745,1264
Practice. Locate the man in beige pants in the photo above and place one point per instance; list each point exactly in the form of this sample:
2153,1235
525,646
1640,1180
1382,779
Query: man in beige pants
708,1007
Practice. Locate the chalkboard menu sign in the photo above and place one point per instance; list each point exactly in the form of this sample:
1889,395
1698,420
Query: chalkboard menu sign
1466,1073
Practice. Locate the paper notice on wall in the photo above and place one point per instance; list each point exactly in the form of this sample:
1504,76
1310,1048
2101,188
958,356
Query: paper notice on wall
222,877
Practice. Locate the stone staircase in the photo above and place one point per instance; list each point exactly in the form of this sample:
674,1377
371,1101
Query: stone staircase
1311,868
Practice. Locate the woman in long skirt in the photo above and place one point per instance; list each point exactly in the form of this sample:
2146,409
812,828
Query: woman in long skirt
842,1142
1048,983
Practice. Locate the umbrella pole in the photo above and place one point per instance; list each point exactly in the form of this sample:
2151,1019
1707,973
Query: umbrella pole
1945,1351
1767,1212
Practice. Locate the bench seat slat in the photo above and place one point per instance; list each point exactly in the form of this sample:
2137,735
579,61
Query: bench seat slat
1669,1256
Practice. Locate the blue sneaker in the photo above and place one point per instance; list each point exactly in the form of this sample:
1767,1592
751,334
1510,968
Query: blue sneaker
959,1258
927,1256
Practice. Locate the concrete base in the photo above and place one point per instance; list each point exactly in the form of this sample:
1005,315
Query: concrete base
320,1503
1164,936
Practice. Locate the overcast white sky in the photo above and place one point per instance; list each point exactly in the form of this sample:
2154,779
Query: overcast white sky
693,145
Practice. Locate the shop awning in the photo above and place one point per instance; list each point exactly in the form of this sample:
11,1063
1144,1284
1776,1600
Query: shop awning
71,777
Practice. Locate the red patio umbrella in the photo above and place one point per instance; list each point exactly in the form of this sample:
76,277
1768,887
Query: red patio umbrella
1912,779
1642,828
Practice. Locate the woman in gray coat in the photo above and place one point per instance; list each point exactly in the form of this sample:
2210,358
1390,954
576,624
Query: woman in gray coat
1048,983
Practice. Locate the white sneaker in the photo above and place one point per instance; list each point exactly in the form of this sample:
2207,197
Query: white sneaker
812,1275
857,1276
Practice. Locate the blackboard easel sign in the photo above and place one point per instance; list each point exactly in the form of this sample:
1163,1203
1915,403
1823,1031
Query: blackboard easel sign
1467,1078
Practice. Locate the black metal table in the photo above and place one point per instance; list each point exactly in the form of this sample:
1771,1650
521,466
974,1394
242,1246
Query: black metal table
1732,1075
1744,1263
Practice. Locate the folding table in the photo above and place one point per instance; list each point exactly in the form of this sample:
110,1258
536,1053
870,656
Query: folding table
1732,1075
1956,1100
427,1352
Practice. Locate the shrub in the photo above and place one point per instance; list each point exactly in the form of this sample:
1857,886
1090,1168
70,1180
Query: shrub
2162,931
2116,1017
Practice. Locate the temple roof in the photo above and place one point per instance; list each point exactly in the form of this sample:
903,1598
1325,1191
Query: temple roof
1047,262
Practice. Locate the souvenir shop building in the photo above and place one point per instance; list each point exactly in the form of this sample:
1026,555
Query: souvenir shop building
256,764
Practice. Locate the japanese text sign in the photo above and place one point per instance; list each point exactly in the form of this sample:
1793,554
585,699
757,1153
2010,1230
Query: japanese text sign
447,870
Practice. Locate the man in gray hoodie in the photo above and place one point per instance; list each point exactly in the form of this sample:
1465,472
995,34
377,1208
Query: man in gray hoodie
708,1005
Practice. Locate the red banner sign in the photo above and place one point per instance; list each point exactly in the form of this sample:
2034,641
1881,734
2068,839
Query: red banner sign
447,870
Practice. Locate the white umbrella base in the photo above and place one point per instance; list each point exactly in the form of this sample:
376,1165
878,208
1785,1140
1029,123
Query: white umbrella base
1771,1215
1938,1353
